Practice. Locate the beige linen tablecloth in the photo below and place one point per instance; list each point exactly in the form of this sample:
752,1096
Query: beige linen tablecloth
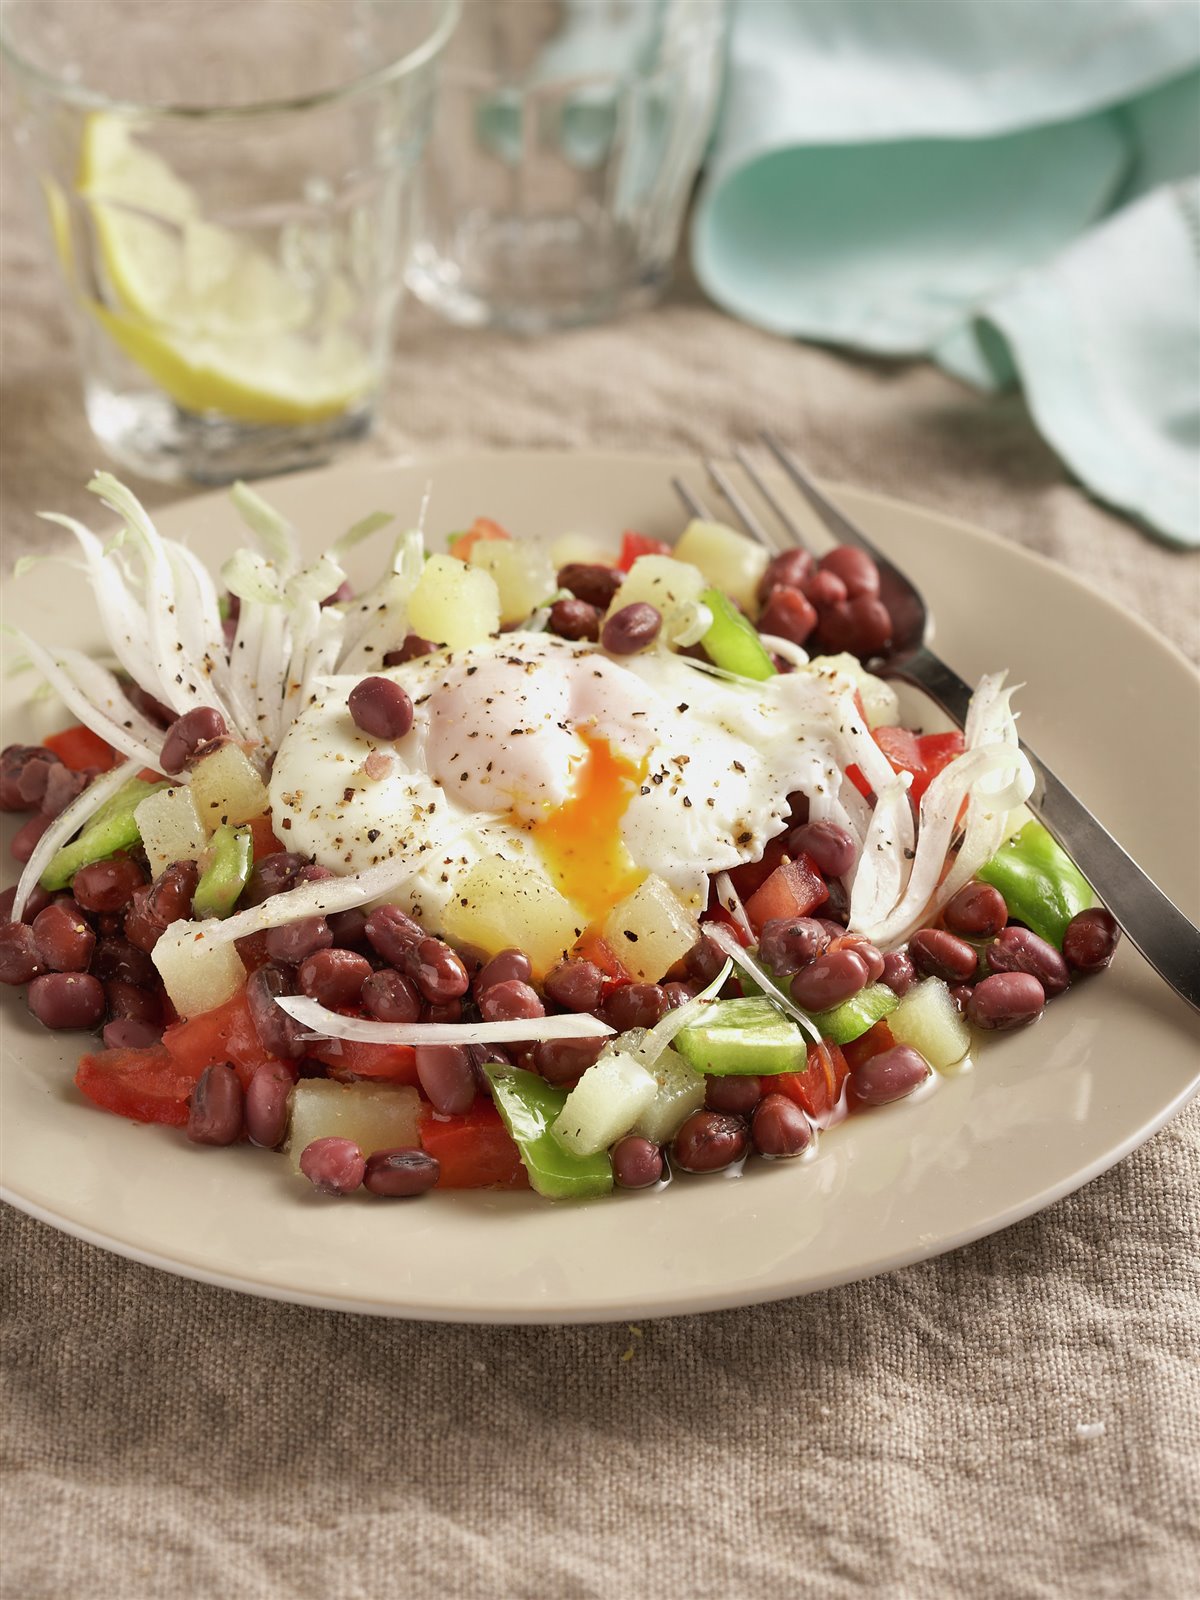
912,1436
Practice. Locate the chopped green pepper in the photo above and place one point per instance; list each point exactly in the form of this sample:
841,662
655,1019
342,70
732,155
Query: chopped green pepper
1041,885
114,827
750,1036
222,881
731,642
854,1017
528,1105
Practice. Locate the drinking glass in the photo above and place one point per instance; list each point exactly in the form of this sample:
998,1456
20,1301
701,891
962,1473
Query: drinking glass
228,188
566,140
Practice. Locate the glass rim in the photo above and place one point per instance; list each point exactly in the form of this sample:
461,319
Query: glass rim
77,94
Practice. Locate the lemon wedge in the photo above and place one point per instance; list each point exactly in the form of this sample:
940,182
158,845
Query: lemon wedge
211,318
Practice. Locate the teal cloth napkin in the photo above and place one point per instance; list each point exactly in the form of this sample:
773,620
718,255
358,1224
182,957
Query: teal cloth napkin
1008,186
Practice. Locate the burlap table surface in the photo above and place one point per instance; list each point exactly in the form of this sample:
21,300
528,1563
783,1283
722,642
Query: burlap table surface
910,1436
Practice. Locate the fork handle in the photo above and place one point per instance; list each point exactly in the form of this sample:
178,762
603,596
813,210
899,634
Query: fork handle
1152,922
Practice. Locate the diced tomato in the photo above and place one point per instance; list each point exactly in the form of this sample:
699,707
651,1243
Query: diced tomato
855,773
922,754
148,775
818,1089
265,842
474,1151
481,528
900,746
871,1043
80,749
937,750
147,1085
226,1033
634,545
751,875
793,890
600,953
347,1059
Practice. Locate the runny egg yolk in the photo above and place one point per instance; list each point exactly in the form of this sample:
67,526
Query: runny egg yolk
580,841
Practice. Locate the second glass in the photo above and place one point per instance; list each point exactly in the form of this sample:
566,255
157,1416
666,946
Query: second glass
567,137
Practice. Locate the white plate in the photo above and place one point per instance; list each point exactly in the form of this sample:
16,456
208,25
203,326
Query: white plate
1114,709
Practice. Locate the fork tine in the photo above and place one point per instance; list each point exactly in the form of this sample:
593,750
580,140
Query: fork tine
753,526
845,531
691,502
769,495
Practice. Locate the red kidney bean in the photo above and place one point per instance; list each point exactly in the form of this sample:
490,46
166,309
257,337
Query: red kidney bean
139,925
172,891
126,1033
1006,1000
637,1163
107,885
64,939
593,583
400,1174
447,1077
66,1000
824,589
36,900
412,648
274,874
392,934
939,954
734,1094
443,1011
1021,950
574,619
779,1129
340,595
862,626
115,957
678,994
788,615
501,968
436,970
635,1005
295,940
126,1001
333,977
961,993
890,1075
575,985
147,704
349,928
32,780
869,952
830,845
333,1166
510,1001
20,958
26,837
380,707
631,629
977,911
15,760
268,1103
836,976
709,1141
187,735
562,1061
279,1034
216,1106
1091,940
389,996
789,570
854,567
703,961
62,786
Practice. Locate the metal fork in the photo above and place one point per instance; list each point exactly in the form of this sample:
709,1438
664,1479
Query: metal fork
1152,922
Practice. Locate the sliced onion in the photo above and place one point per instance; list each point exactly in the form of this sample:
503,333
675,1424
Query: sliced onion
651,1043
327,1024
724,940
732,901
66,825
882,869
77,699
786,648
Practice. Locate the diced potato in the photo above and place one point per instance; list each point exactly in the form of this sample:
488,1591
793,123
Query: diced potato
454,605
502,903
880,700
671,587
226,788
649,930
197,973
727,559
605,1103
582,547
928,1019
376,1116
170,828
522,571
679,1092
